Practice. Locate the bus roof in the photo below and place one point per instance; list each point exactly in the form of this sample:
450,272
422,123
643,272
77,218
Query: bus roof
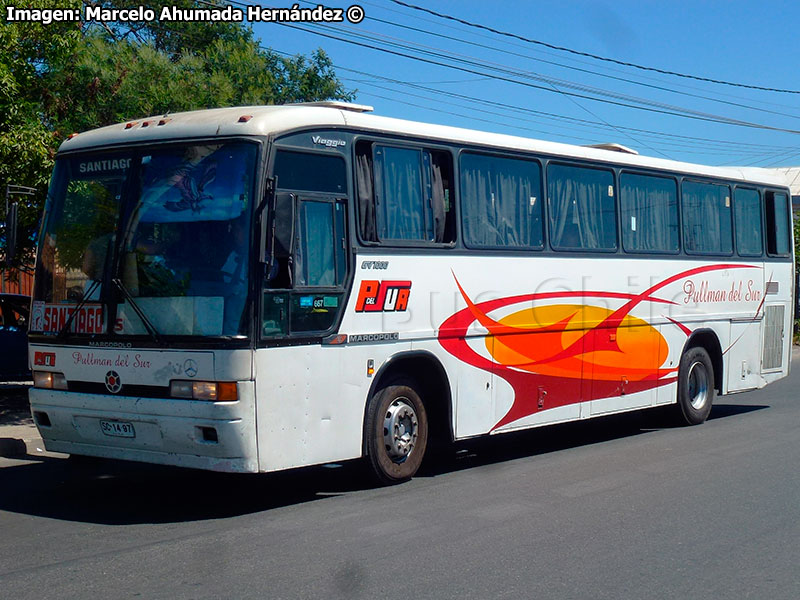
275,120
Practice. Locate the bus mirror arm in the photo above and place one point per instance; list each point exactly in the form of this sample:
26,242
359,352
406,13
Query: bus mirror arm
267,249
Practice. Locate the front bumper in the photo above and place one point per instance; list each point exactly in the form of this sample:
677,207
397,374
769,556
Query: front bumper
168,431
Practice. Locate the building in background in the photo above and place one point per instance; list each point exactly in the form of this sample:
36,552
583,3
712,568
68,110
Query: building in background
792,175
16,281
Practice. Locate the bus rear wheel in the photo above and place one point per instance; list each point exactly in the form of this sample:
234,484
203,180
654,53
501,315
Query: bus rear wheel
396,433
695,386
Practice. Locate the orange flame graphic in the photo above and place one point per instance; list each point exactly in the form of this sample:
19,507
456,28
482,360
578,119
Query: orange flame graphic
557,346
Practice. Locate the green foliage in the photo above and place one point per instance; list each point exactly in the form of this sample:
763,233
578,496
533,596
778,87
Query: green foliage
70,77
796,219
27,140
90,214
796,227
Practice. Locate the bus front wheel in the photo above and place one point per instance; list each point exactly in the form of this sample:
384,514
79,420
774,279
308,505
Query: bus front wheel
695,386
397,433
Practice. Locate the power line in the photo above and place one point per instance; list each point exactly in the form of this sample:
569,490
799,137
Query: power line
738,145
717,146
552,84
582,70
440,25
653,107
589,55
361,32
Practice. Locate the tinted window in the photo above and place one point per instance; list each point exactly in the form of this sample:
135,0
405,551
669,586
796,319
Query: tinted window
706,218
404,194
401,189
747,213
778,240
320,252
582,212
501,202
310,172
649,208
320,270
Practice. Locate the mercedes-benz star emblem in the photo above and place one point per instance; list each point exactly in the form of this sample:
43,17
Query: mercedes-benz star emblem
113,383
190,367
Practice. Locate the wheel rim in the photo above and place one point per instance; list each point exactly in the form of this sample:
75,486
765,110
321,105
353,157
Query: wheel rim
698,385
400,426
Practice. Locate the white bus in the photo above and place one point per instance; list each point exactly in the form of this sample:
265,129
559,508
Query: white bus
261,288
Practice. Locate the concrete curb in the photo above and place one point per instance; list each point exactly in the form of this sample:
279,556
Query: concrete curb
19,441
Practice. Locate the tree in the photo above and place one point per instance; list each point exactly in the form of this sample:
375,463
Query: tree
27,141
70,77
796,228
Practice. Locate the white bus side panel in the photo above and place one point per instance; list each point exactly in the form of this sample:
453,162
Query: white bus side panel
549,339
524,342
311,402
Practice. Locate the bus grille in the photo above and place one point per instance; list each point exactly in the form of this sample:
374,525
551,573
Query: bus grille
772,357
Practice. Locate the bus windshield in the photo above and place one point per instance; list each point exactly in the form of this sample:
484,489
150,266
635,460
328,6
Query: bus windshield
152,242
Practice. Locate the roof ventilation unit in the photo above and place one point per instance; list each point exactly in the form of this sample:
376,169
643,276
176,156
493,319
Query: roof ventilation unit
336,104
613,147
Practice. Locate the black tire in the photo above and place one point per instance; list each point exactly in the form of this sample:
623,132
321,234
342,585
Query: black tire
397,458
695,386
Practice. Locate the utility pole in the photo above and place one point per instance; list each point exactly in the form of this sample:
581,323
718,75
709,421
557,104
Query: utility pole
11,226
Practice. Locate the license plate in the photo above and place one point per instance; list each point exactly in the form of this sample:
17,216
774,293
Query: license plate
117,428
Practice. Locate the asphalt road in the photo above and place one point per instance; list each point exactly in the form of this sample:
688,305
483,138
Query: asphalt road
622,507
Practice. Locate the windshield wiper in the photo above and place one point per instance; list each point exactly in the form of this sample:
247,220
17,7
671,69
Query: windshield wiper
84,299
139,312
87,294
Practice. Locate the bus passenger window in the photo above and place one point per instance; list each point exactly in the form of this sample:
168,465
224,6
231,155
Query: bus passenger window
649,209
747,215
501,202
404,194
706,218
582,208
402,190
778,240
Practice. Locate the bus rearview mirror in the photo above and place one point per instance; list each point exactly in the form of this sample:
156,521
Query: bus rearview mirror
283,224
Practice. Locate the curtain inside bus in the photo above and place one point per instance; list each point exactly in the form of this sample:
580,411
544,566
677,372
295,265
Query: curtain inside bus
707,227
582,213
404,194
649,207
501,202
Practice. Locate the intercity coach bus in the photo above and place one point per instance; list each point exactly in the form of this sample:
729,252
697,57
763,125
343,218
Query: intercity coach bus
261,288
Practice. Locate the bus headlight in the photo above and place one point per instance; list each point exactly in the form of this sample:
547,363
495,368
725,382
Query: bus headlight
215,391
49,380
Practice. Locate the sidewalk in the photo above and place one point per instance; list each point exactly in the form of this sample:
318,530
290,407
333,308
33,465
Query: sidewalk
18,435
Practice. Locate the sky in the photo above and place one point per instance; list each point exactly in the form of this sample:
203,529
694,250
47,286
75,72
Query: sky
483,80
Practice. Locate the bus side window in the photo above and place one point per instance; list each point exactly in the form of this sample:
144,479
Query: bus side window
501,202
707,225
317,249
778,240
320,269
649,209
582,208
747,217
404,194
321,265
